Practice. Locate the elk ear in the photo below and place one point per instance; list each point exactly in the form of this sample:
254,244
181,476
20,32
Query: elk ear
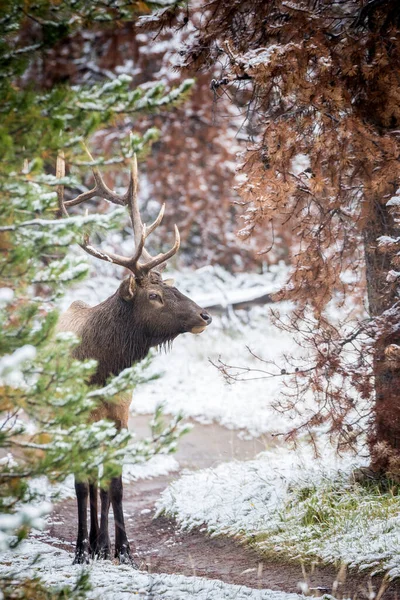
169,282
127,289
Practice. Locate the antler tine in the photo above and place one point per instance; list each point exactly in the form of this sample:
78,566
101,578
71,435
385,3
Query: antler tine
162,257
156,223
85,244
116,259
130,200
60,173
134,265
138,227
100,188
81,198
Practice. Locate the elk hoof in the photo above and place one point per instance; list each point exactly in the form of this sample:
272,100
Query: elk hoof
124,556
103,551
82,555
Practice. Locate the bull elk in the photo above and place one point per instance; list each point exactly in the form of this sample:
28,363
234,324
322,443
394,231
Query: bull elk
144,312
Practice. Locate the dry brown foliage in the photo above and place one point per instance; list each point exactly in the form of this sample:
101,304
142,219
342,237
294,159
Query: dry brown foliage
324,87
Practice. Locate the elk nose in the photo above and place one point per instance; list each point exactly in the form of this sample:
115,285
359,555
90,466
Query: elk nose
206,317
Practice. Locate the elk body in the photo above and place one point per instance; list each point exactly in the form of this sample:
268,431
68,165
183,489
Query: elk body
144,312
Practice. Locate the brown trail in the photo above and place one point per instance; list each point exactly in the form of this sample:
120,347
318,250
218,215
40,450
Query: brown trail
162,548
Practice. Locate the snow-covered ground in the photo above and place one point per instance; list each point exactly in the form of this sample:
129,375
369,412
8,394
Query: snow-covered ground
246,497
160,464
290,504
119,582
193,386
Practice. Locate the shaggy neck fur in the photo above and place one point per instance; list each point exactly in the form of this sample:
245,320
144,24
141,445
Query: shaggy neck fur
115,337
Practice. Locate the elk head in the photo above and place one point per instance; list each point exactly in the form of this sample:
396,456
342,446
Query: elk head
160,310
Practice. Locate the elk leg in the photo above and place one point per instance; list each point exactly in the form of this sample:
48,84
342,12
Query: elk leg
122,548
82,551
94,521
103,546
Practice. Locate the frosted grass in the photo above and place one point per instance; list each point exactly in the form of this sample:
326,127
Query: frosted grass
289,504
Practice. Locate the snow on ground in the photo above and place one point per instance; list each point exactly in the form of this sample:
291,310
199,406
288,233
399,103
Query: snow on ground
120,582
245,497
160,464
193,386
287,503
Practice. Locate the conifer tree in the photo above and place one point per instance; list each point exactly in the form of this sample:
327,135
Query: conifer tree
45,399
323,79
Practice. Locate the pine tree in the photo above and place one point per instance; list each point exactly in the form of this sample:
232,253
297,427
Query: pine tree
323,80
45,399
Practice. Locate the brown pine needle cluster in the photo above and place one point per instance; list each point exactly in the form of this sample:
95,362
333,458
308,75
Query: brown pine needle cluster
322,87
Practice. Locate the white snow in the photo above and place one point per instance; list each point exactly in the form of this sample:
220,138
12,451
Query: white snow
300,163
392,276
394,201
120,582
260,56
263,56
192,385
10,373
246,497
6,296
158,465
386,240
25,516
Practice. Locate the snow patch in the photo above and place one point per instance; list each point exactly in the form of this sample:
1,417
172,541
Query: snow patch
300,163
112,582
10,372
246,497
193,386
160,464
6,296
26,516
394,201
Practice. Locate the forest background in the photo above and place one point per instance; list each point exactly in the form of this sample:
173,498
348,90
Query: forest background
306,93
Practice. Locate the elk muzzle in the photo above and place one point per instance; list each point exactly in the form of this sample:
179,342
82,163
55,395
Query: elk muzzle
206,318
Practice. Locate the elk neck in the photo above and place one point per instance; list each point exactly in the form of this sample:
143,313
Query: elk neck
111,335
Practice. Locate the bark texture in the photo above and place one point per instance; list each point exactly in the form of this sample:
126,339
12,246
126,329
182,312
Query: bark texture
383,305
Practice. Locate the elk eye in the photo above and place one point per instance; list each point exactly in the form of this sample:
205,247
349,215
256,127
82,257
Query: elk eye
154,297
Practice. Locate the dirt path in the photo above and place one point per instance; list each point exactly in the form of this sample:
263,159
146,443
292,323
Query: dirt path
162,548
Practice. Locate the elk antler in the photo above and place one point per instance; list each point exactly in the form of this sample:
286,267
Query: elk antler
129,199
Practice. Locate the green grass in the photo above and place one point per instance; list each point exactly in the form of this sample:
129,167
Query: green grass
337,521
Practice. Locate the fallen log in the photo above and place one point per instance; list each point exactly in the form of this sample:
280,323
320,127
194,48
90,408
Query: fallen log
239,299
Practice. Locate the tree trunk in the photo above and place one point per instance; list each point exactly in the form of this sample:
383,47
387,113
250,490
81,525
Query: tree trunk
384,439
